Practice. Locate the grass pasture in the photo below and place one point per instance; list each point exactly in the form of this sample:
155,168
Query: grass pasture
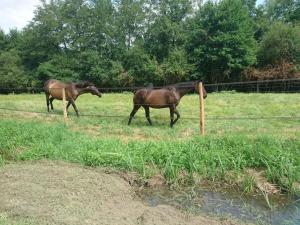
230,147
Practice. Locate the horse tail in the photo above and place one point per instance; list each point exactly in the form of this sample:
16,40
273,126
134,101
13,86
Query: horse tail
139,96
46,84
136,90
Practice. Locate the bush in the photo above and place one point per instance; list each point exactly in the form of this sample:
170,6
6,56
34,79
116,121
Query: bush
282,71
280,44
175,67
141,67
12,73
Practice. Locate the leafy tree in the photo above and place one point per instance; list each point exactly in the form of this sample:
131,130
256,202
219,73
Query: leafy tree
175,10
129,20
175,67
4,41
59,67
250,5
280,44
94,68
167,31
141,67
284,10
14,38
103,29
222,41
39,43
12,74
261,22
160,38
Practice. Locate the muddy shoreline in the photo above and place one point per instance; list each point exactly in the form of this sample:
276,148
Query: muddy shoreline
47,192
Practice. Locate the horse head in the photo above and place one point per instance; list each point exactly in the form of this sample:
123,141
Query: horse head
90,87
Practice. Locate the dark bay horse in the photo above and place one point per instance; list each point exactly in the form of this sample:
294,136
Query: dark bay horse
53,90
166,97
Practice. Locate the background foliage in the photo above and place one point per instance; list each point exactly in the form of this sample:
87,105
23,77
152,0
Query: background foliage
137,42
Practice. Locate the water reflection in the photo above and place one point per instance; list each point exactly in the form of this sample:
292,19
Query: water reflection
227,204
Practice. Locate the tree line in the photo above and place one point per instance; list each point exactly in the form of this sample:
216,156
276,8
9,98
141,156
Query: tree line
115,43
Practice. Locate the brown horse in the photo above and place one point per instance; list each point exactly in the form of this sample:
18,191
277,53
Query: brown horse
166,97
53,90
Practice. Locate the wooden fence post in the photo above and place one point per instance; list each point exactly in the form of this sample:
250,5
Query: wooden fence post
201,104
64,105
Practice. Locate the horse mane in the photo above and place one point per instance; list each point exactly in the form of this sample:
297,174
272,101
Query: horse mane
183,84
84,84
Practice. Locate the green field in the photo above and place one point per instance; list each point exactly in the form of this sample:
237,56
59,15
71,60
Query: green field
231,146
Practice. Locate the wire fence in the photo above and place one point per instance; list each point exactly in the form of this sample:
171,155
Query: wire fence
269,86
291,85
266,86
213,118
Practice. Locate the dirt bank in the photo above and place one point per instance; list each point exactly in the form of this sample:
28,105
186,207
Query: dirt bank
61,193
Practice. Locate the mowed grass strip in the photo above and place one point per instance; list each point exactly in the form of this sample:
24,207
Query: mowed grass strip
108,116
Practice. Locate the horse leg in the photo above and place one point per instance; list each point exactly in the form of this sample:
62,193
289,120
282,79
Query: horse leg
177,114
47,101
133,112
51,100
147,113
69,103
171,116
74,106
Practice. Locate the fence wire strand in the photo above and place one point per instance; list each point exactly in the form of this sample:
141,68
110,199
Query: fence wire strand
162,117
254,85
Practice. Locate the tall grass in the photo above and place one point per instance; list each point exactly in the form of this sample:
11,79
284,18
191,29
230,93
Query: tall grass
210,157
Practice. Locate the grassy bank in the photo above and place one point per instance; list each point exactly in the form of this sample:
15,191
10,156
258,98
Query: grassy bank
230,148
210,157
